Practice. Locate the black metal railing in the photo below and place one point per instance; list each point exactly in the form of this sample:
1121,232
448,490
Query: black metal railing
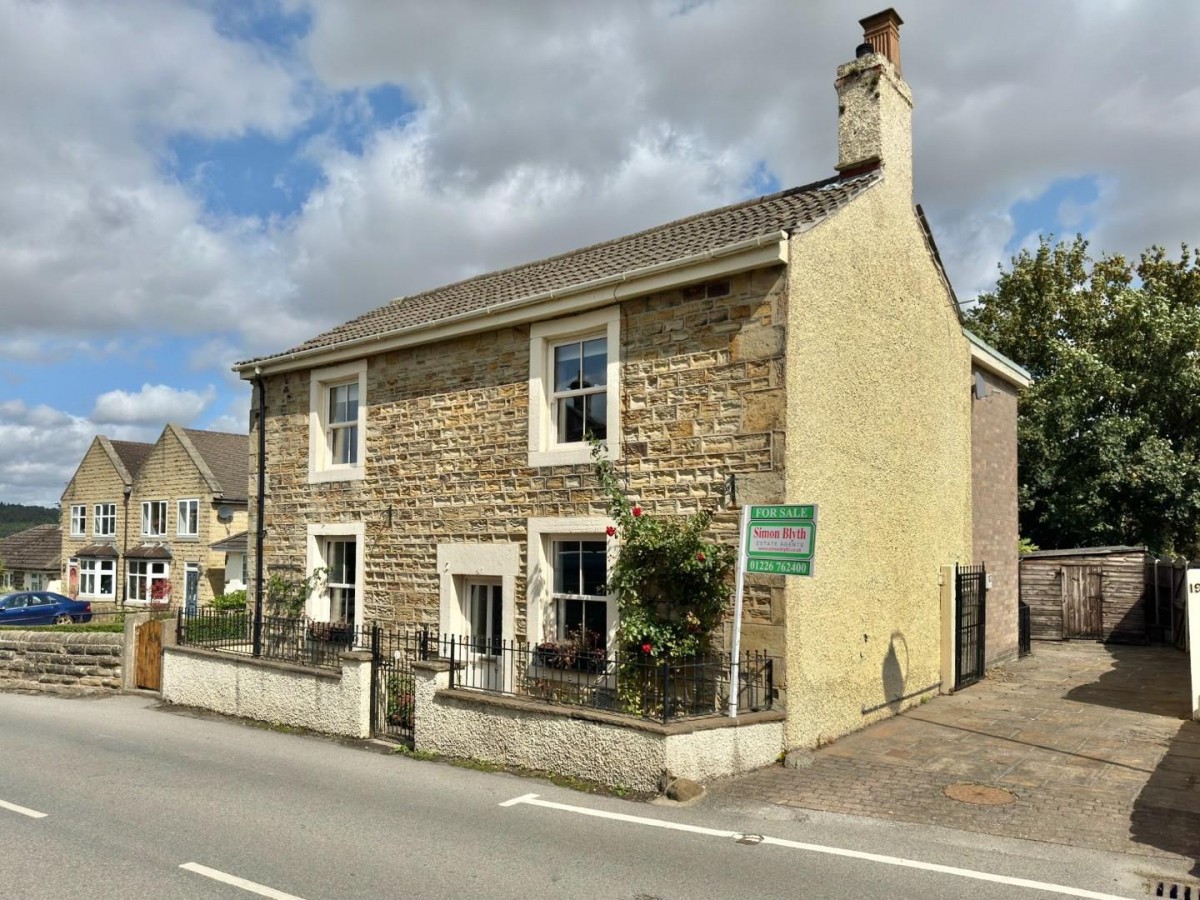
296,640
623,682
1024,631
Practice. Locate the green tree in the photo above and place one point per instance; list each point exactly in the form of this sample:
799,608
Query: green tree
1109,432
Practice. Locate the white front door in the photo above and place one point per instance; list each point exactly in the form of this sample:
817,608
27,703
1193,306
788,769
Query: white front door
486,661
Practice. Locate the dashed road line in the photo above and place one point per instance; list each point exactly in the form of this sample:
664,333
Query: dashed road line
1062,889
253,887
23,810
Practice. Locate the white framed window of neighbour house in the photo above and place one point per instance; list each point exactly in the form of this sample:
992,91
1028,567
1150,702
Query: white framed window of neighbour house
574,387
104,520
35,581
569,561
79,520
337,550
148,580
6,580
337,422
154,518
187,518
97,578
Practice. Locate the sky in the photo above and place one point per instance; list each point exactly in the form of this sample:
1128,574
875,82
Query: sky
188,184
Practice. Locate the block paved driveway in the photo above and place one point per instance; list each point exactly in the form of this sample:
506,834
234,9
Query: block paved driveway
1094,742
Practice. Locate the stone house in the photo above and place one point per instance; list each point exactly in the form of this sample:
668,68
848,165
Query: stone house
430,454
139,520
30,558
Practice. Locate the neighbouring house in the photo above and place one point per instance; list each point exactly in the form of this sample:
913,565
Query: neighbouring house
430,455
996,382
139,520
30,558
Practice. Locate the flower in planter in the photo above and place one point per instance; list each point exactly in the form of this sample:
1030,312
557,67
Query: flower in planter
700,557
637,511
610,531
647,648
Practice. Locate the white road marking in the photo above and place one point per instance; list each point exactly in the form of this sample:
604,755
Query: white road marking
216,875
1065,890
25,811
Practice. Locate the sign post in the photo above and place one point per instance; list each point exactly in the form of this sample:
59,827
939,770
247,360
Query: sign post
772,540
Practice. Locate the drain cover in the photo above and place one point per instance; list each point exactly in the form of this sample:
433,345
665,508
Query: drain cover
1177,891
980,794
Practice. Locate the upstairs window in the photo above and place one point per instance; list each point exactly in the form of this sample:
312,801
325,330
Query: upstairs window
341,425
154,518
78,521
187,518
574,387
104,520
337,423
579,399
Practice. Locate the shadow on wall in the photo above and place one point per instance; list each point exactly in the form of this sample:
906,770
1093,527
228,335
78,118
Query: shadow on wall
895,671
1166,814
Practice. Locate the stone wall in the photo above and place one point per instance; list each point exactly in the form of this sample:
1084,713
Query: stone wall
333,702
994,510
447,444
61,659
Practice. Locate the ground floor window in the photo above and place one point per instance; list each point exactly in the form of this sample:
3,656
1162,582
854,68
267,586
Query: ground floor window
97,577
341,563
148,580
581,605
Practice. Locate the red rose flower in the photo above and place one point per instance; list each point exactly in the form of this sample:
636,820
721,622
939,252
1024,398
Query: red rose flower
647,648
610,531
700,557
637,510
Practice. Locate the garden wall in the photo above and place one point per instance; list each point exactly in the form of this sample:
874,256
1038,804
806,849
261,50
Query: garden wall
325,700
38,659
599,747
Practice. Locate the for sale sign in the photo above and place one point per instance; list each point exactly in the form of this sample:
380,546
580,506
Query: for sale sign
781,539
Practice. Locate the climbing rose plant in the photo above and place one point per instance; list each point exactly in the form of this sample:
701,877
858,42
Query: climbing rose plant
672,585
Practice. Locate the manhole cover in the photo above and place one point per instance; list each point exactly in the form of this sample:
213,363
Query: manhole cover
980,794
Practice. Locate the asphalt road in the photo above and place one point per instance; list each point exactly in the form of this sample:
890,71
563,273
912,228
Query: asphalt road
116,798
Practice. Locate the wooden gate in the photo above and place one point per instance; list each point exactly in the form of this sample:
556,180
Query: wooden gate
148,661
1082,602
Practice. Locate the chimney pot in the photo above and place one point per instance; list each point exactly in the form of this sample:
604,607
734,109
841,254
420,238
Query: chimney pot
882,32
863,49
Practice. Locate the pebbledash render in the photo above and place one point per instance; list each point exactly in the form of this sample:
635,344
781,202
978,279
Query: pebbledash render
428,454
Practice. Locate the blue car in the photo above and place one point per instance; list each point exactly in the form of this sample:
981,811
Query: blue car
42,608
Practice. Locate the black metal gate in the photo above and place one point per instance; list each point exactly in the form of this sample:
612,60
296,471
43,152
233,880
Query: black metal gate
970,614
393,686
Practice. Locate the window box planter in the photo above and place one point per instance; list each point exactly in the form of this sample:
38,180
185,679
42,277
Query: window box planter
331,632
569,657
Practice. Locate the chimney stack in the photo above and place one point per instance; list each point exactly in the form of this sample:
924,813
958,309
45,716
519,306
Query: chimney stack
875,105
882,32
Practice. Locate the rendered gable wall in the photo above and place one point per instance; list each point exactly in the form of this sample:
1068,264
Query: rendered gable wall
878,428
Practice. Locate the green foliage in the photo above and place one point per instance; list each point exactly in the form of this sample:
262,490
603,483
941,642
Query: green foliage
226,625
16,517
287,596
672,585
1025,545
232,600
1109,433
401,702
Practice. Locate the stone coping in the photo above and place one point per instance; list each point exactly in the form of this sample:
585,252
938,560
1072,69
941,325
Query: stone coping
258,662
687,726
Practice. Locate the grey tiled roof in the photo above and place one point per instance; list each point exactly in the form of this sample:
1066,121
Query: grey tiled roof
33,549
235,543
132,453
228,456
795,209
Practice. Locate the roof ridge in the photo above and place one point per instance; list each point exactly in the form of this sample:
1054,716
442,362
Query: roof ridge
662,226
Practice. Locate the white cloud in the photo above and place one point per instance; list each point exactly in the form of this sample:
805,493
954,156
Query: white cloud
42,447
153,403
